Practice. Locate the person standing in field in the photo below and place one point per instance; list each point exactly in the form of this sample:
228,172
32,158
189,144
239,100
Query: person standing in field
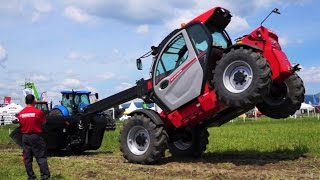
31,121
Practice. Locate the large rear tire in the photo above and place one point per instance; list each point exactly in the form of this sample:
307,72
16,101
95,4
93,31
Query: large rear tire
241,77
188,142
142,141
283,99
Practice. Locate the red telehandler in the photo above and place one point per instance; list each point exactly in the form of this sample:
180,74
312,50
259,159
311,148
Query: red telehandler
200,79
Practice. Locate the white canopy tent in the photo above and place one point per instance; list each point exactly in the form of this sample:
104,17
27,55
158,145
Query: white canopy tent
11,109
306,107
7,113
131,108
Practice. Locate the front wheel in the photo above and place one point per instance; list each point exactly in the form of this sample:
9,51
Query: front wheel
185,142
283,99
142,141
241,77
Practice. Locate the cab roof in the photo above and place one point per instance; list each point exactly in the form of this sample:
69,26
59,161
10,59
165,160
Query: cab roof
75,92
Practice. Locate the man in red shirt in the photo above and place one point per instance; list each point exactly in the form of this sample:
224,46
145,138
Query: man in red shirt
31,120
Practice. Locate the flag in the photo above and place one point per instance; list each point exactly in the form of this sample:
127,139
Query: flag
7,100
43,96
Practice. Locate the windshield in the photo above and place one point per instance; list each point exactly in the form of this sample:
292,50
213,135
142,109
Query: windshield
81,98
42,107
219,40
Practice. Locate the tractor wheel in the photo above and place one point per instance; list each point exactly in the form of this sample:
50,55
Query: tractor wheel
283,99
241,78
142,141
55,112
188,142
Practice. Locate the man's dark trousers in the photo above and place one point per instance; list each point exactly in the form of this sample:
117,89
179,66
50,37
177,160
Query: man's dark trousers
34,145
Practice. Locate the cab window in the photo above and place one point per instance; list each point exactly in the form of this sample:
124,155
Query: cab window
199,38
219,40
175,54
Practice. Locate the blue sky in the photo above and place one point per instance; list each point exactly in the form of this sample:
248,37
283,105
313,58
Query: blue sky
93,44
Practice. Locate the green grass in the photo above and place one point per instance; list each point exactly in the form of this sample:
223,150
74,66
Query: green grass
267,135
263,135
5,140
264,139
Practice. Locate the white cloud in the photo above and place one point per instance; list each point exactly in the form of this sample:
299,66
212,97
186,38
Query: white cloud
39,78
30,9
91,89
106,76
142,29
172,13
131,11
77,14
42,6
120,56
71,83
53,95
238,24
3,55
73,55
285,41
310,74
123,86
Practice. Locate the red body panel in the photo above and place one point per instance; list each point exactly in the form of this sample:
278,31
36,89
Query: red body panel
199,110
204,17
149,85
267,41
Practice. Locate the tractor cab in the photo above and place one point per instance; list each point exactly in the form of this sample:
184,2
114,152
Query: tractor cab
72,103
43,106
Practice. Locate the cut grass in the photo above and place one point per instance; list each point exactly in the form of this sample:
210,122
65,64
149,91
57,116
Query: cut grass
291,144
267,135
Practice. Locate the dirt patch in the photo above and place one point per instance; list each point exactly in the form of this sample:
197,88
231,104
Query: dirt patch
101,165
113,165
9,146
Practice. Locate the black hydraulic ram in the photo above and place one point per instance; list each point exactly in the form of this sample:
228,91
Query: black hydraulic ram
124,96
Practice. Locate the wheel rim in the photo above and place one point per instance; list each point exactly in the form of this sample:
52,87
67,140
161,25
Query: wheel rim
138,140
185,142
277,94
182,145
237,77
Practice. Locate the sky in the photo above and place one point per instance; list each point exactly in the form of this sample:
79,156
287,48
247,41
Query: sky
93,44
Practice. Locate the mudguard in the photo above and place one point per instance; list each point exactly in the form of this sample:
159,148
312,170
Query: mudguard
82,106
244,45
150,114
63,110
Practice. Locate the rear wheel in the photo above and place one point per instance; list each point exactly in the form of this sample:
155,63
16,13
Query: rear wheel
188,142
142,141
283,99
55,112
241,77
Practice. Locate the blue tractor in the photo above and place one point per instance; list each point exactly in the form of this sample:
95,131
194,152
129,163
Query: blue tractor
72,103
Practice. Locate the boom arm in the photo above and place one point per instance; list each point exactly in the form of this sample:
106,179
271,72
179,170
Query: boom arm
137,91
33,87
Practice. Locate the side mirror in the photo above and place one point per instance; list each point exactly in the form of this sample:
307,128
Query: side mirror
96,95
139,64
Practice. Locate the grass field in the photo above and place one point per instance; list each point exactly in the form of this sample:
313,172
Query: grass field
252,149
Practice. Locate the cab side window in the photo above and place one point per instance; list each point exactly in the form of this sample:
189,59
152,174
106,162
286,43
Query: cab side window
199,38
175,54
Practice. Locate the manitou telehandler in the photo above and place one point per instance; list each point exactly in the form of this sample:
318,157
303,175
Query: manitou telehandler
199,79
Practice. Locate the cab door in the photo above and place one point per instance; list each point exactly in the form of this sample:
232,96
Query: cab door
178,74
